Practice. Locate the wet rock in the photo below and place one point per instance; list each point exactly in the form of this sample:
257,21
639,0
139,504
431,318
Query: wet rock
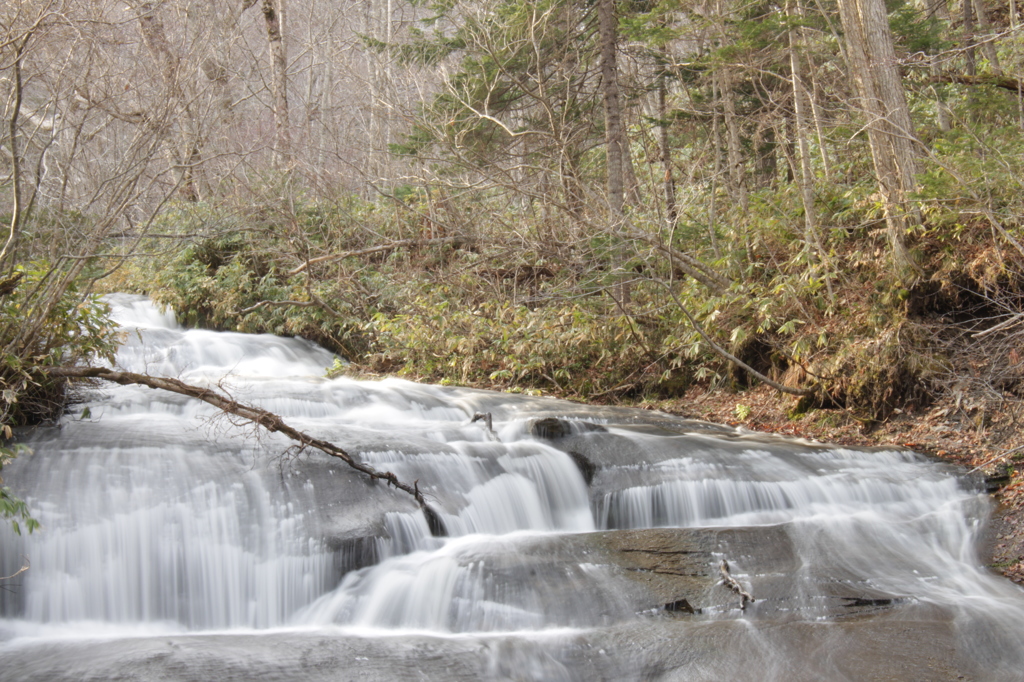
553,428
586,467
679,606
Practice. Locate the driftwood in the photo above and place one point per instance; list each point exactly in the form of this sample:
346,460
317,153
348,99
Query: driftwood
730,582
256,415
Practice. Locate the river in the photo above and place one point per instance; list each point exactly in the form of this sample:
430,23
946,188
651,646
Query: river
564,542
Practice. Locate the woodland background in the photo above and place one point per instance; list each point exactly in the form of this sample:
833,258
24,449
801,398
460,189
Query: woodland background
599,200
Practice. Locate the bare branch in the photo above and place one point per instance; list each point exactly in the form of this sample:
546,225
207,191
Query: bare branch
268,420
375,249
732,358
732,584
1005,324
18,572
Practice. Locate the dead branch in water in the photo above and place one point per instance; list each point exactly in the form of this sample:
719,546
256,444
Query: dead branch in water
731,583
256,415
18,572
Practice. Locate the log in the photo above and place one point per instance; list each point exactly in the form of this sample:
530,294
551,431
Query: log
995,80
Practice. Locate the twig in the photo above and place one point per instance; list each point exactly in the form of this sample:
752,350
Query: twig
1014,320
997,458
374,249
19,571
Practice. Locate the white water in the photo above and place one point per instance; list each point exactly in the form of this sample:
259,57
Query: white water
158,516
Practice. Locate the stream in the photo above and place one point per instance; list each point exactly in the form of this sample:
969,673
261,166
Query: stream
566,542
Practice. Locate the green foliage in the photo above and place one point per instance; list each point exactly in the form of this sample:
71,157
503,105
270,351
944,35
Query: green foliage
12,508
575,349
37,332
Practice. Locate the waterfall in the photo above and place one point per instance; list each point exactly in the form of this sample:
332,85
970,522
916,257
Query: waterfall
569,542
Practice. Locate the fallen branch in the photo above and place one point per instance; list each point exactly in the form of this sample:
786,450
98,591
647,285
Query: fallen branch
997,458
375,249
685,263
1005,324
730,582
1004,82
486,418
18,572
256,415
732,358
317,302
289,304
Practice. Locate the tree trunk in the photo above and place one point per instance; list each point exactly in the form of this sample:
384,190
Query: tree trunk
273,15
816,113
154,35
801,97
937,9
872,61
971,67
716,174
12,131
805,173
614,138
669,183
989,46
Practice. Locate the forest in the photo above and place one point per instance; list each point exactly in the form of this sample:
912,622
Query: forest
617,202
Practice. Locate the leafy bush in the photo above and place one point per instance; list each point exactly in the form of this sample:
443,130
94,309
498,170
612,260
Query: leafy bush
41,327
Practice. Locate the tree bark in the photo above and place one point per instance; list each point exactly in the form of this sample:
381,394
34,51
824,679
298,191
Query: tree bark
12,132
154,35
614,139
273,11
872,61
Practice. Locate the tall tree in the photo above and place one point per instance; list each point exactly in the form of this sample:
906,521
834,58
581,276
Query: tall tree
883,102
613,132
273,19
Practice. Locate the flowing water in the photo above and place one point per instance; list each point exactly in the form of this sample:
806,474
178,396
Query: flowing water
564,543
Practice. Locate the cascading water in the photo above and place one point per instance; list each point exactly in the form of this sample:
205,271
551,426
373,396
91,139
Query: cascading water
567,543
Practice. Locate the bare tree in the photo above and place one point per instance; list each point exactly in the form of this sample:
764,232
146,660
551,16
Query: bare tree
273,18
